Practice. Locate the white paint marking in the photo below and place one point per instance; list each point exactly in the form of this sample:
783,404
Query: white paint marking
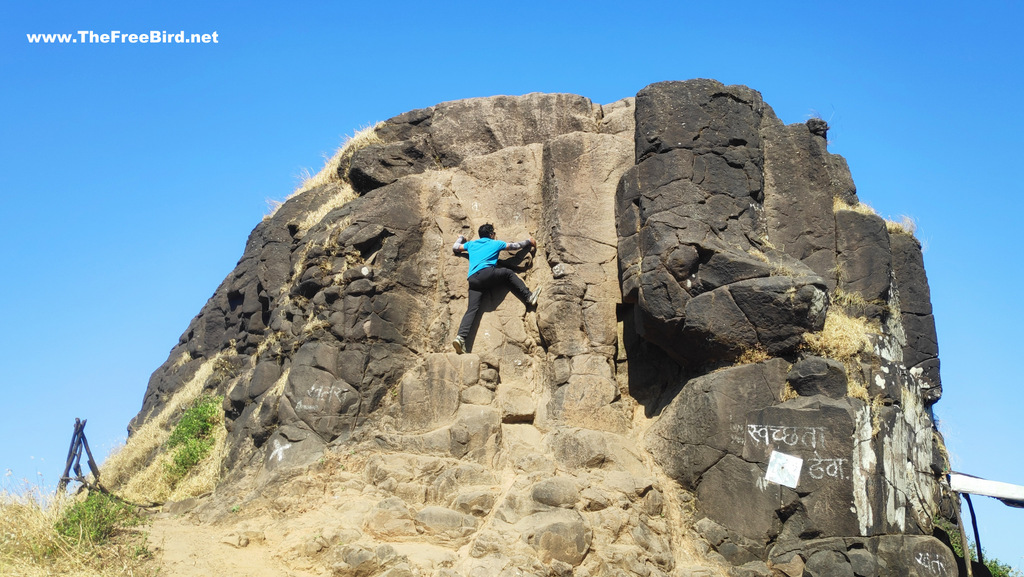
279,450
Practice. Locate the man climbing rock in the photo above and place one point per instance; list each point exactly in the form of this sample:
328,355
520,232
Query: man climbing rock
484,274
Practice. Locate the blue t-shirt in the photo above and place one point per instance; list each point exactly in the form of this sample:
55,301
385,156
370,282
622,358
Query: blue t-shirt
483,252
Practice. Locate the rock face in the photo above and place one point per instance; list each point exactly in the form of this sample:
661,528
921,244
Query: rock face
702,264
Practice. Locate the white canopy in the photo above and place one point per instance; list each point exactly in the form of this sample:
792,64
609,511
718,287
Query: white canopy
1012,495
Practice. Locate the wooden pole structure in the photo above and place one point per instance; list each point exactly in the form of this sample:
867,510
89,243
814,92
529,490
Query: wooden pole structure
71,456
74,460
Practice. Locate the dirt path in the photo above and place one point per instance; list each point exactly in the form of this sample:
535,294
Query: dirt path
183,548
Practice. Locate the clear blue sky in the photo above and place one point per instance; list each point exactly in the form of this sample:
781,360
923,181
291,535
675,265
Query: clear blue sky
131,174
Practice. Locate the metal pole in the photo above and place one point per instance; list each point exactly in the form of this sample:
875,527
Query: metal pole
963,537
974,521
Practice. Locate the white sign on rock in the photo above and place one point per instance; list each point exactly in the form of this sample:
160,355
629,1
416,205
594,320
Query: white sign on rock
784,469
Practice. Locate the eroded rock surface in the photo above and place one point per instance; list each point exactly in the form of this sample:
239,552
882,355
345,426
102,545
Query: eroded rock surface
689,241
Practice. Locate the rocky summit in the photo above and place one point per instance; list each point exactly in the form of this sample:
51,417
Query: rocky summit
730,369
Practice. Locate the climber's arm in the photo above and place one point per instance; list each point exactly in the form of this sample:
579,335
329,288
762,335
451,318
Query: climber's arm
520,244
457,247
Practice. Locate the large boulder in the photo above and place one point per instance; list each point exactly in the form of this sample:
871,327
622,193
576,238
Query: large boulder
696,257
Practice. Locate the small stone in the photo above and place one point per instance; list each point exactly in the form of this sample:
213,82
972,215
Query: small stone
556,492
477,395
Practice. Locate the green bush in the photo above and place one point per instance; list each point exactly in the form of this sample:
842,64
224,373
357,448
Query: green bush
197,422
96,519
192,438
995,566
1000,569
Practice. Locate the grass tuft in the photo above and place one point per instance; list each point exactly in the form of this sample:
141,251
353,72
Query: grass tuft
44,536
843,338
341,196
362,138
905,225
96,519
788,393
848,299
776,268
197,422
856,389
757,354
840,204
193,437
181,361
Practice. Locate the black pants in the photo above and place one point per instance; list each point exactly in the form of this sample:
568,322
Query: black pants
486,279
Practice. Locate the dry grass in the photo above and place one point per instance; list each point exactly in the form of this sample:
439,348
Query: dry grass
31,546
768,244
854,302
276,390
265,345
759,255
340,197
855,387
775,268
843,338
137,471
905,225
847,299
788,393
313,325
329,173
876,414
311,219
943,451
779,269
181,361
840,204
362,138
839,272
757,354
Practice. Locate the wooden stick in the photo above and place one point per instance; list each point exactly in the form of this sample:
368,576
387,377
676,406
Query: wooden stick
71,453
92,463
78,452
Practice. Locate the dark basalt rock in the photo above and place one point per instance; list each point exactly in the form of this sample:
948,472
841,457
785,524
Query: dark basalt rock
864,259
912,555
689,242
377,166
922,349
802,181
818,376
